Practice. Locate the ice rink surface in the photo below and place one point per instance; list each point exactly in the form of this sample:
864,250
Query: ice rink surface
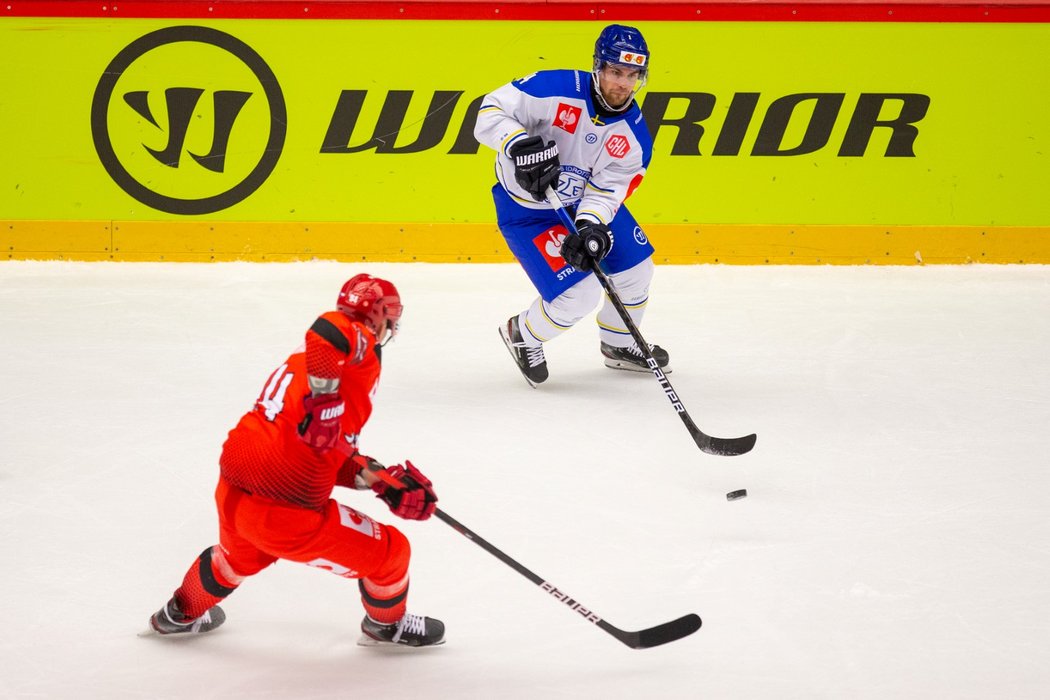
895,542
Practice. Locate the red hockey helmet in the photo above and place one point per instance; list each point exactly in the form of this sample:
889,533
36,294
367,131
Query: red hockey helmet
371,300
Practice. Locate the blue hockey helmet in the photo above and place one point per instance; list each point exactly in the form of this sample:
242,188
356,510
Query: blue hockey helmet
622,45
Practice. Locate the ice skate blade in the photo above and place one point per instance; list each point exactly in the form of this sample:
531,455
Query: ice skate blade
631,367
507,342
173,638
366,641
150,632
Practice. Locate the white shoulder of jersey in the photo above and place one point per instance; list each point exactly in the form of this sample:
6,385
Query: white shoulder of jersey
602,159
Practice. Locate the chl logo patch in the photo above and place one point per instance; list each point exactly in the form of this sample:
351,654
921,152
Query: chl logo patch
568,117
549,245
618,146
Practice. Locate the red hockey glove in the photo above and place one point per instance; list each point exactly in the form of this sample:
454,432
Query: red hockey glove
416,500
321,426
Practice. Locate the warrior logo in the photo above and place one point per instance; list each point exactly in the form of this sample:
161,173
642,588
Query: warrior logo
334,412
193,91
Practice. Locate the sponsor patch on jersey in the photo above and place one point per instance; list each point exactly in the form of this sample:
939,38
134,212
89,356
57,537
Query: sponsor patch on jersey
567,117
549,245
618,146
634,59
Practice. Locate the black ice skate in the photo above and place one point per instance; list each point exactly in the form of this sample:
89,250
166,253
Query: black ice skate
410,630
530,361
630,358
171,620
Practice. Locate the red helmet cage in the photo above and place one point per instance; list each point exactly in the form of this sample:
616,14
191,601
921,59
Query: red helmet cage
371,300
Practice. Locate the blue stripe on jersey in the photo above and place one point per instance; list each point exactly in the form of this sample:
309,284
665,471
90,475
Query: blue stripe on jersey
554,83
641,132
511,140
595,187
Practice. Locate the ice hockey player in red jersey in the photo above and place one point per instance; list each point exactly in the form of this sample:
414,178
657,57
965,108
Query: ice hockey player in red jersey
278,468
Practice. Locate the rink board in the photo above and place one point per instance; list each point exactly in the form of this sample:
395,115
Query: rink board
907,146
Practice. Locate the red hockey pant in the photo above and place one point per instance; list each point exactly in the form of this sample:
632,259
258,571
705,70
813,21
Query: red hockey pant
255,532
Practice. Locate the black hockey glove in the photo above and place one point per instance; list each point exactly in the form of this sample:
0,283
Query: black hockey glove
585,248
536,167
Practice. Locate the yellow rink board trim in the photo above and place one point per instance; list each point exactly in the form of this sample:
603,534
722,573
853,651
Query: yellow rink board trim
734,244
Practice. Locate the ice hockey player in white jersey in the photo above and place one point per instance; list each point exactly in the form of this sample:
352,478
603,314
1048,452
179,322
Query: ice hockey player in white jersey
582,133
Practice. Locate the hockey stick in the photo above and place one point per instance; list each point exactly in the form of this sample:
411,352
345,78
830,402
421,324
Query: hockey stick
707,443
641,639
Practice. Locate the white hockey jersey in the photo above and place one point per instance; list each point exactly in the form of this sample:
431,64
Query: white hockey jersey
603,159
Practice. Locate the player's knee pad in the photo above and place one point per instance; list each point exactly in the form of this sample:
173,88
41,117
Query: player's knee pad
633,283
398,553
575,302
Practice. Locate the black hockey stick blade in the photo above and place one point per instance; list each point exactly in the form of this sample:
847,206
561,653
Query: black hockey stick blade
725,447
709,444
655,636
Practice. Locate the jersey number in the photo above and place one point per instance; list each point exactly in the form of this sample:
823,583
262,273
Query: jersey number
272,399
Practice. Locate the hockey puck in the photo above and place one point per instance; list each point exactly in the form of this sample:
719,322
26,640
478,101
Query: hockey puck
735,495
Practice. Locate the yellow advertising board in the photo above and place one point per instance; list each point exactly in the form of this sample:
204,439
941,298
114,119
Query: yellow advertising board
142,139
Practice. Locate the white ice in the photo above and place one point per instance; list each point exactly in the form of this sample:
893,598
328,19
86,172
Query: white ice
895,543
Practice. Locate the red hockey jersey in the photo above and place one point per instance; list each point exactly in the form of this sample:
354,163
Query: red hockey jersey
263,453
